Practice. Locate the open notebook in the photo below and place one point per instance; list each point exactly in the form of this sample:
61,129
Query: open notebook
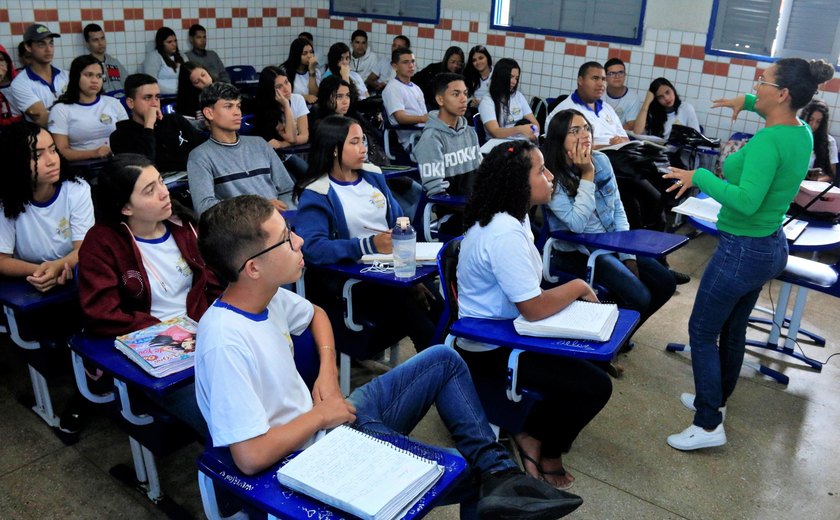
426,254
360,474
579,320
708,209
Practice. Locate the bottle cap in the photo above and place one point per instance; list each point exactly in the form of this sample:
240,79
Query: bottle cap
403,222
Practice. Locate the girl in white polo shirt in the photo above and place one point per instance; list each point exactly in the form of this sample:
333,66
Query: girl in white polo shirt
46,210
82,119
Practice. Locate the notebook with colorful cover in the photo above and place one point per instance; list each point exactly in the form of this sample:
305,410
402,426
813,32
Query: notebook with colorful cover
163,348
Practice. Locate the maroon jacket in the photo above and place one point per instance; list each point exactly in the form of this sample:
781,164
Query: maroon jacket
114,285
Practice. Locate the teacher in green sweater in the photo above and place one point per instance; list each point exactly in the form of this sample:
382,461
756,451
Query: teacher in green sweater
761,180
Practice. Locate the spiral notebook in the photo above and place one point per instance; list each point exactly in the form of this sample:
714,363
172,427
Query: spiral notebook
579,320
360,474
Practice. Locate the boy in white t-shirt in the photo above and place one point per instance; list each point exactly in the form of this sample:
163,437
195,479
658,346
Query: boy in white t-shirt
404,101
255,401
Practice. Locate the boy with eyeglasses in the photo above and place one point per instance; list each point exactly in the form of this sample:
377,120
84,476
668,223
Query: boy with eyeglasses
256,403
626,102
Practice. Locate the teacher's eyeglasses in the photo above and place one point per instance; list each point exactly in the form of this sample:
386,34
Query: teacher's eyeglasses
761,81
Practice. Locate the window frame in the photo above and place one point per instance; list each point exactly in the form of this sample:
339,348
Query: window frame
782,24
496,9
433,21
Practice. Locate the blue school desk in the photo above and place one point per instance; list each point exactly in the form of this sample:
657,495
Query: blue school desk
264,493
18,297
641,242
817,237
101,353
356,273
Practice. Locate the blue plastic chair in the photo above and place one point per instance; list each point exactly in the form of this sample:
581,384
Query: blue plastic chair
423,218
242,73
393,149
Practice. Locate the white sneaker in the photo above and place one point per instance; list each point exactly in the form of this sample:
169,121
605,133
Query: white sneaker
687,400
695,438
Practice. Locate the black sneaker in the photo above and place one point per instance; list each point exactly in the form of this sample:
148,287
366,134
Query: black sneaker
511,494
680,278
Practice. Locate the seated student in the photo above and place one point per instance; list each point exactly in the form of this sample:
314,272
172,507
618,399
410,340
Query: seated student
453,61
337,97
382,72
164,61
504,111
82,119
192,79
477,71
115,73
341,207
362,59
35,90
140,263
256,403
282,117
7,74
606,125
403,100
624,101
824,156
338,63
499,275
302,69
46,213
661,109
166,139
200,55
448,154
586,200
46,210
228,164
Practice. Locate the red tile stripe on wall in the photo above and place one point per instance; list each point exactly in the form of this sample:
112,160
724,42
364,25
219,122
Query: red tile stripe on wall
297,17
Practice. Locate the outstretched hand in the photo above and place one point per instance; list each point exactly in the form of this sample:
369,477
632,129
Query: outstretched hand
736,104
684,180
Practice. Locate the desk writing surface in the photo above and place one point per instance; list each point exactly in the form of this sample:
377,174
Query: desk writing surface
102,353
354,270
504,334
395,171
21,296
816,237
642,242
264,492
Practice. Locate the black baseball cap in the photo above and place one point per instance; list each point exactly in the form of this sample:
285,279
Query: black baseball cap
37,32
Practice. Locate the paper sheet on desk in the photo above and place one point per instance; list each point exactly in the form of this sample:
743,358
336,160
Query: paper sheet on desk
426,253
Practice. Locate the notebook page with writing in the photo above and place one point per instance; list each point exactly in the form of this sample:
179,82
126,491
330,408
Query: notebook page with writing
579,320
357,473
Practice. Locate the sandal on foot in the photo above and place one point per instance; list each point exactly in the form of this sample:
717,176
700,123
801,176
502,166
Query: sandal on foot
556,473
523,457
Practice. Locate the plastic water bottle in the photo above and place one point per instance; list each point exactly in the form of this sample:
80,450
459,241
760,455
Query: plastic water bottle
405,248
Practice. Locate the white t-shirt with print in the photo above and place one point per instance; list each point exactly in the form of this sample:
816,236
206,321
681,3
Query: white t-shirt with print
517,110
46,231
245,375
364,206
28,88
87,126
170,278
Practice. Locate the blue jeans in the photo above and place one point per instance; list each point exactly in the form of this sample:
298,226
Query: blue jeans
645,294
397,400
739,268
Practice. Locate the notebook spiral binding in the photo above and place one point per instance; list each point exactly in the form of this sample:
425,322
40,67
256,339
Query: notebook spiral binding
402,443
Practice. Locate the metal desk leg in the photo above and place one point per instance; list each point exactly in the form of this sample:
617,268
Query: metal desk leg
769,372
43,402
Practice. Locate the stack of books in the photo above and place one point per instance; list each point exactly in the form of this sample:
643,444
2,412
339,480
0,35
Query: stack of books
161,349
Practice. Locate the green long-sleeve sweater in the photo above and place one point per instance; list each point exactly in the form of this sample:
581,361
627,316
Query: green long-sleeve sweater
762,178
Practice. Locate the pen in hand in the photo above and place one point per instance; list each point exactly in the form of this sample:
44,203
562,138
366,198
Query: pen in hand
377,230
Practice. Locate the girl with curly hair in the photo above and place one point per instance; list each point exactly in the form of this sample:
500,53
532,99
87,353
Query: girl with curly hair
499,275
46,210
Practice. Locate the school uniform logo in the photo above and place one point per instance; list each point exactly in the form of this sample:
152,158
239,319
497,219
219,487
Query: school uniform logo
377,199
182,268
63,228
105,119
